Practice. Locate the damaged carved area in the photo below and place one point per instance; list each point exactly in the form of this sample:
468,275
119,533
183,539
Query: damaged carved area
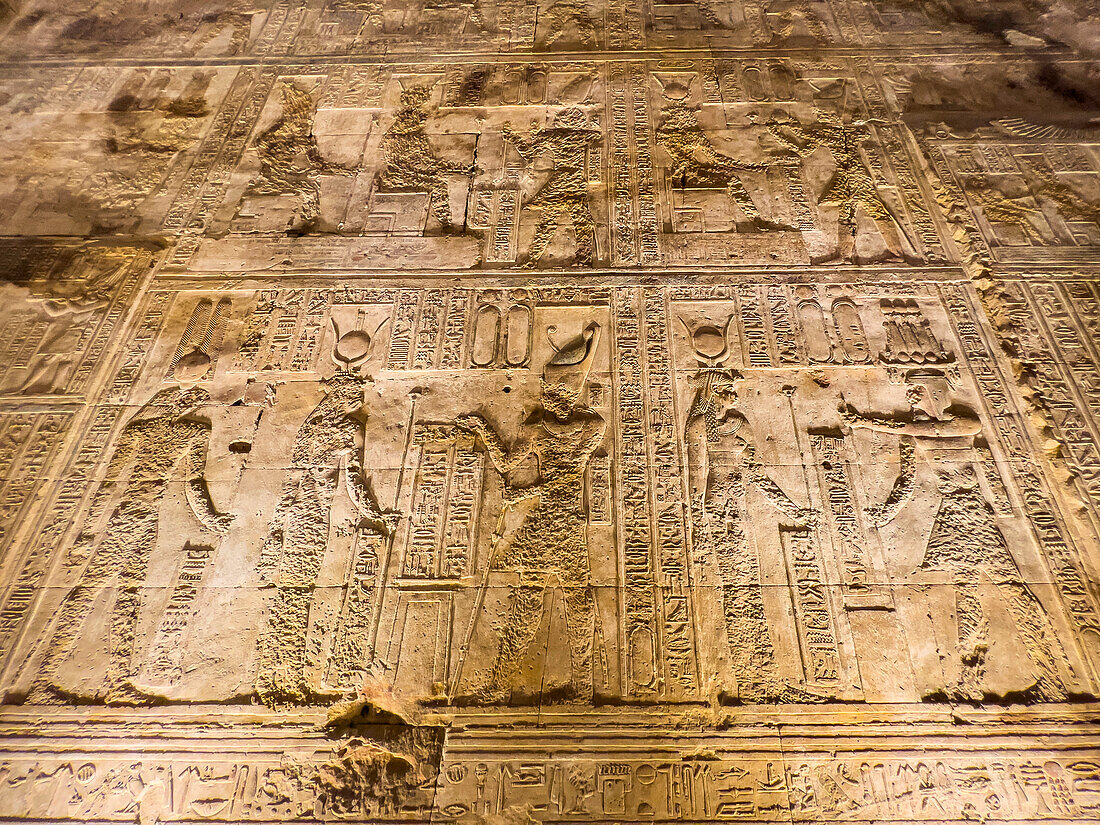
569,411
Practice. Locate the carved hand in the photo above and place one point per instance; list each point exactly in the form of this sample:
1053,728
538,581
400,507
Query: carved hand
221,521
849,416
808,516
471,423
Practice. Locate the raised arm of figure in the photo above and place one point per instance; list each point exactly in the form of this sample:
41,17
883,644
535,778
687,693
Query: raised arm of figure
526,146
503,460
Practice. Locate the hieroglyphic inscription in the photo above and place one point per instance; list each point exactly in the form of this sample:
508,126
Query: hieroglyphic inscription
34,562
815,612
634,512
667,501
1045,318
28,443
828,451
1046,522
163,665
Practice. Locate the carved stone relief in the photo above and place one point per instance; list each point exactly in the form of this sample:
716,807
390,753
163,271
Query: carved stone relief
479,411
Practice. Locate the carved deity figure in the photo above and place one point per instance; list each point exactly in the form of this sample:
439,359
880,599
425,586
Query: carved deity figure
794,20
290,162
66,306
1018,210
965,540
411,162
475,15
722,467
327,452
564,194
561,16
852,188
165,441
999,208
1072,206
708,16
695,162
237,16
550,547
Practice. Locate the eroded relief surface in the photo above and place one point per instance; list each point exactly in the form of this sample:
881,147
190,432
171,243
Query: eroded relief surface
567,411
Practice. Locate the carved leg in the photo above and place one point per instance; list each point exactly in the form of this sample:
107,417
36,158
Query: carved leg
891,228
439,201
973,642
846,231
1039,639
311,201
516,635
580,620
740,196
752,658
544,231
283,647
73,610
122,557
585,230
281,676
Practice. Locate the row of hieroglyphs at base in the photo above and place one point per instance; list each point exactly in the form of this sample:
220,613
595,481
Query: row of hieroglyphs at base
302,462
581,164
324,785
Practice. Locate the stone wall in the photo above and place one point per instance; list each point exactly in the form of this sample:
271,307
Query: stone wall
567,411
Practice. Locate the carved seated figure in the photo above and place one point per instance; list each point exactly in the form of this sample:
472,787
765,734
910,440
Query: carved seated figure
412,164
695,163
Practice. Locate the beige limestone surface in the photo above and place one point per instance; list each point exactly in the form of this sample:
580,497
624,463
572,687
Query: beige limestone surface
568,411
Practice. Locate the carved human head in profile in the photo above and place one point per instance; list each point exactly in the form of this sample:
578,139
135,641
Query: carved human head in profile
716,397
566,373
953,477
415,97
344,393
720,389
571,118
680,118
928,390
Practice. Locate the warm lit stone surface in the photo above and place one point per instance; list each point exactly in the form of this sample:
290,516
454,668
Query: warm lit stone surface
495,411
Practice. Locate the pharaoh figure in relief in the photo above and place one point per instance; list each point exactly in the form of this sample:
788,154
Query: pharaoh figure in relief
412,164
561,198
563,23
166,441
65,307
697,164
852,189
550,547
965,541
326,460
722,466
